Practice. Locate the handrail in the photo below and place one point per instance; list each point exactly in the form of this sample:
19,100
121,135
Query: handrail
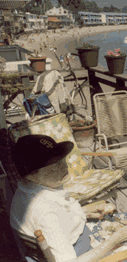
102,71
33,73
103,76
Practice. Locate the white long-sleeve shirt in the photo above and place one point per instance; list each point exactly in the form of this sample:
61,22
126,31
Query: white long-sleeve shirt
61,221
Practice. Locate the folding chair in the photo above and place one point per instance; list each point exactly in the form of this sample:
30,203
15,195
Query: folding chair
27,246
84,184
32,248
111,115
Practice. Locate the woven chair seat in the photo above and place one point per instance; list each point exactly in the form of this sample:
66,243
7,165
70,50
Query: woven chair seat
111,114
120,157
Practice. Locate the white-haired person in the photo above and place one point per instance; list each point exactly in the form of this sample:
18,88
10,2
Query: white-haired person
40,202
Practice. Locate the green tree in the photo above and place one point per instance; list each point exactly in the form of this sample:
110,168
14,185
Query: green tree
111,9
114,9
91,7
48,4
124,9
37,6
72,4
80,5
105,9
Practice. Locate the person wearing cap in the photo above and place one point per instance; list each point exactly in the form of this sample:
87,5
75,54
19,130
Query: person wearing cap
41,203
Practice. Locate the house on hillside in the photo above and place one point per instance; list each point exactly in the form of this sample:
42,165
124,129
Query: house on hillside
34,22
59,17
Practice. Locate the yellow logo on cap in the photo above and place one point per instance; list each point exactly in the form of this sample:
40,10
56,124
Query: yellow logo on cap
46,143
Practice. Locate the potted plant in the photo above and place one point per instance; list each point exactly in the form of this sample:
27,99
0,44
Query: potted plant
83,131
88,55
115,61
38,61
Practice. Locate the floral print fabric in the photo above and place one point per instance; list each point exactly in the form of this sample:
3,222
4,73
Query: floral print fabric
83,183
91,183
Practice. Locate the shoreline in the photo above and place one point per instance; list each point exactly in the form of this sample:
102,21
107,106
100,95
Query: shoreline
71,33
41,42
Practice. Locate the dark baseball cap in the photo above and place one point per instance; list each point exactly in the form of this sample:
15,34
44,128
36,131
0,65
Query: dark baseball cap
32,152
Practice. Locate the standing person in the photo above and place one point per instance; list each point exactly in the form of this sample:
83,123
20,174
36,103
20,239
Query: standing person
41,203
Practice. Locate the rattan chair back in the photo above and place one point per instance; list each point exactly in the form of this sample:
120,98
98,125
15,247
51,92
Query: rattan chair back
111,113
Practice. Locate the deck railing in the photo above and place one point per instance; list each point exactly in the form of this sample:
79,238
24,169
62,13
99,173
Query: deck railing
100,75
96,75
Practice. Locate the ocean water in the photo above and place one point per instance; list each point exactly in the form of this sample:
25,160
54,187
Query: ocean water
106,42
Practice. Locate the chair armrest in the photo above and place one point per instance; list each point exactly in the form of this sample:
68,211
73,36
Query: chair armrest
117,257
100,251
105,139
44,246
98,154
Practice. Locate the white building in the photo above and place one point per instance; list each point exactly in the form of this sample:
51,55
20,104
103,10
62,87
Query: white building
89,18
61,15
114,18
34,22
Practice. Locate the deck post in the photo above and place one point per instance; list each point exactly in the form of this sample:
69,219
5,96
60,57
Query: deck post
120,84
96,88
92,80
91,75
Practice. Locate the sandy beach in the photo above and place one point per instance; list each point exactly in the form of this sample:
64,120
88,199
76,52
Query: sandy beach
42,42
60,39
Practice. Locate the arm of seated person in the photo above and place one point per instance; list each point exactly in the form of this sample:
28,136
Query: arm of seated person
98,209
57,240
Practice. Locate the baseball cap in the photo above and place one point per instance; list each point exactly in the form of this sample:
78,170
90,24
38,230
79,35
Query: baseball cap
32,152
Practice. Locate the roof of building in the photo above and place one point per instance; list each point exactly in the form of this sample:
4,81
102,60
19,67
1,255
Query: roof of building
51,19
106,13
24,50
89,13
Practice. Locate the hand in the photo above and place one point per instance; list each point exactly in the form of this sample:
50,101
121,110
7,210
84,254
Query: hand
98,209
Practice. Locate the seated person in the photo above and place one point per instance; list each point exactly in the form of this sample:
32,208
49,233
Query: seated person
41,203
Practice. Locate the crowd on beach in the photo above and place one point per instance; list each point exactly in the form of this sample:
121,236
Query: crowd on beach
54,36
41,42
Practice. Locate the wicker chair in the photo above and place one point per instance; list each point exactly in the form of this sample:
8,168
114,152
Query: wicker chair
104,181
111,115
83,185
